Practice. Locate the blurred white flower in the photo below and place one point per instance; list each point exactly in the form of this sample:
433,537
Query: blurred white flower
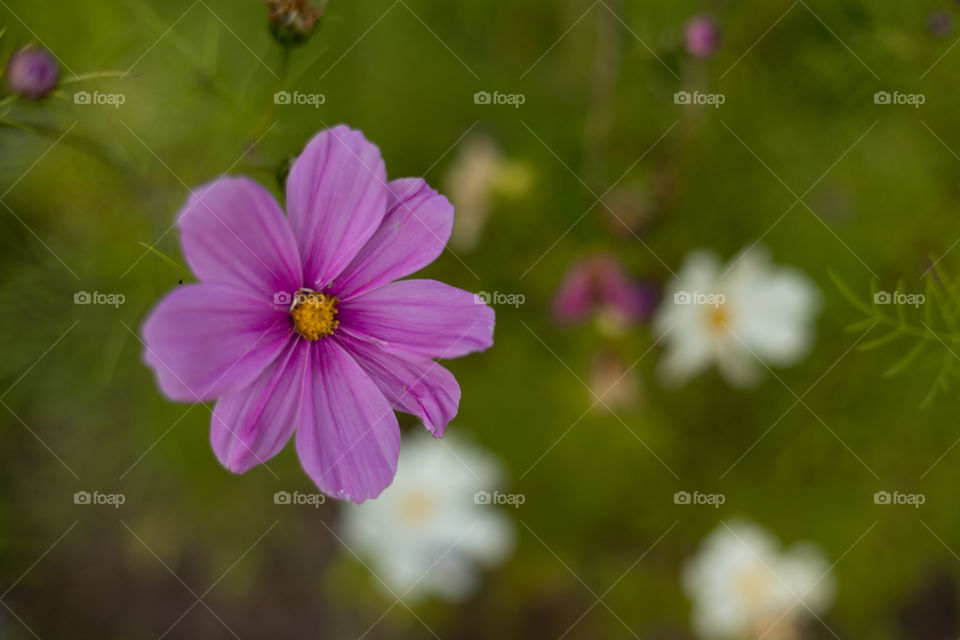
748,312
477,174
744,586
425,534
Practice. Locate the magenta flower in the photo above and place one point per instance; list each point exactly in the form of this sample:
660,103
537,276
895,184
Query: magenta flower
298,325
702,36
32,72
598,284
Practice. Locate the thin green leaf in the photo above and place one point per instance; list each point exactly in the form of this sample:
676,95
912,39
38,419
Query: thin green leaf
166,259
901,310
859,325
879,342
851,297
907,360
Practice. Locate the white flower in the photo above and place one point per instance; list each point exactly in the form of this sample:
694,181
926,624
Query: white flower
736,317
425,533
744,586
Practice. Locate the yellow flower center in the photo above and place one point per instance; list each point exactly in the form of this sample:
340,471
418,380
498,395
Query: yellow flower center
417,506
313,314
718,319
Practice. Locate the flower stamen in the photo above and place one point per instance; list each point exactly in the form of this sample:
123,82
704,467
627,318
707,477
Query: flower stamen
313,314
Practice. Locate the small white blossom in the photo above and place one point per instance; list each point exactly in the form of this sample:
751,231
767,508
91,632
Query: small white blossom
744,586
426,534
738,317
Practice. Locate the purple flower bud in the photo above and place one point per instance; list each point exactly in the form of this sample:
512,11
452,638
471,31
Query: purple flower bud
702,36
32,72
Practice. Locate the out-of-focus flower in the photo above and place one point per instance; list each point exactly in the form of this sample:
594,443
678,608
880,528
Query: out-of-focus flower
744,586
292,22
737,317
629,210
701,36
32,72
476,176
435,527
300,324
940,23
598,286
612,380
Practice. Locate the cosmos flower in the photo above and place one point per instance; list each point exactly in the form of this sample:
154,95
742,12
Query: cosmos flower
744,586
737,317
429,533
298,327
702,36
597,286
32,72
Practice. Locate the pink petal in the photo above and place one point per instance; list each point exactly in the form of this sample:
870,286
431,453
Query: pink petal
348,439
234,233
336,199
413,233
417,386
574,298
619,292
205,340
424,318
252,425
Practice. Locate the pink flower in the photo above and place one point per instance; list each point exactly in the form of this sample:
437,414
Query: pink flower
598,285
298,326
702,36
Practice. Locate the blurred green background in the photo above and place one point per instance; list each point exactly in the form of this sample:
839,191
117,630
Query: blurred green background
81,412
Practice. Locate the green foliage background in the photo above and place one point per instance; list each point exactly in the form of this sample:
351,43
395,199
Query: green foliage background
799,81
